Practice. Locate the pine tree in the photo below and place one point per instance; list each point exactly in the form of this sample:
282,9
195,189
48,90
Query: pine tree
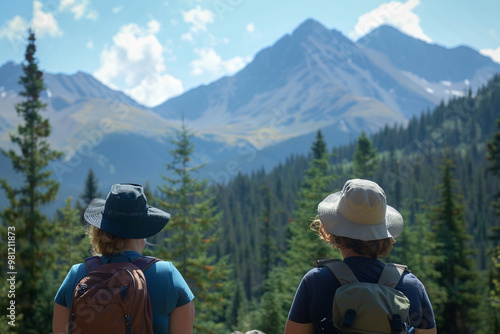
365,161
192,232
494,276
70,241
417,249
91,189
494,157
71,247
318,148
268,253
304,246
32,229
458,278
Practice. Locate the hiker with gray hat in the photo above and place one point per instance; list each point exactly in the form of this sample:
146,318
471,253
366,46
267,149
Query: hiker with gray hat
344,296
119,290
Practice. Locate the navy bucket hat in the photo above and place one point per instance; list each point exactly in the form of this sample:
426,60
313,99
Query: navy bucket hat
125,213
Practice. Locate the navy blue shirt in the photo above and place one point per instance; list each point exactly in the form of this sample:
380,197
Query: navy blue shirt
314,297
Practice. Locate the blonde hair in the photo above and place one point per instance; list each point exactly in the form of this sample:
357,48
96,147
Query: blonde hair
105,243
372,248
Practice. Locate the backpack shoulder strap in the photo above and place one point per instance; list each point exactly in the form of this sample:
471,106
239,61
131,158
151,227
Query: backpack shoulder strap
339,269
391,274
144,262
93,262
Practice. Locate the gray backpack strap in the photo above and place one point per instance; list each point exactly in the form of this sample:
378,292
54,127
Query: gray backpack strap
341,271
391,274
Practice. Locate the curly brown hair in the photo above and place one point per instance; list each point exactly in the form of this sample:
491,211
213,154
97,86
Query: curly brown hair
105,243
372,248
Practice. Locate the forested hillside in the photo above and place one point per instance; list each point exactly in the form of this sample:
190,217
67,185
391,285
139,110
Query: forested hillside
259,208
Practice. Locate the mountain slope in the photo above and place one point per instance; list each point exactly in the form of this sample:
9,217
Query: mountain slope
431,62
304,82
316,77
313,78
63,86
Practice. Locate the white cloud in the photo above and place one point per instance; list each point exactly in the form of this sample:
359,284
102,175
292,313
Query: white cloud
14,29
153,89
397,14
187,37
135,63
80,8
44,23
250,27
210,62
492,53
198,19
117,9
90,44
154,26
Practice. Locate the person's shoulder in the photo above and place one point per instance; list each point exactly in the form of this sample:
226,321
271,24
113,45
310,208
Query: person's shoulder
78,269
76,273
410,281
163,266
320,273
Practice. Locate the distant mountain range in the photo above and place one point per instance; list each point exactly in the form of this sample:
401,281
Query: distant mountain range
314,78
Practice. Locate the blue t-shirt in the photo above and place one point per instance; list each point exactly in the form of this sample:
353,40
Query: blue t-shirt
314,297
166,287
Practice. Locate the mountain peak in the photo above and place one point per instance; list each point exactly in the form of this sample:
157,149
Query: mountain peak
388,32
432,62
309,26
314,33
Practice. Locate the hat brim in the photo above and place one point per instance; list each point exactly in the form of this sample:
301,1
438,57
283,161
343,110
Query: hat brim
143,226
336,224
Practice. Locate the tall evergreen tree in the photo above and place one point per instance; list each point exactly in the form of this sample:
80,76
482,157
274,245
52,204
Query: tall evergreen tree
318,148
493,155
458,278
192,231
72,247
365,160
494,158
70,241
32,229
417,248
91,189
304,246
268,253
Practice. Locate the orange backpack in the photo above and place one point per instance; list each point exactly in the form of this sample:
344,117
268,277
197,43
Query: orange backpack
112,298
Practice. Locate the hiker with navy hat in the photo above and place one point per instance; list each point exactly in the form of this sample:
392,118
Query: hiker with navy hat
119,288
358,222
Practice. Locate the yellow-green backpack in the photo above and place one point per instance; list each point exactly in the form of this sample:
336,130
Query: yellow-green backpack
360,307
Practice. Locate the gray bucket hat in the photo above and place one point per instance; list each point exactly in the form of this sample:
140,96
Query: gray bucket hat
125,213
360,211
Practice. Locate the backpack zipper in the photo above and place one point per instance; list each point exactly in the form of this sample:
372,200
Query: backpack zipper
70,330
129,326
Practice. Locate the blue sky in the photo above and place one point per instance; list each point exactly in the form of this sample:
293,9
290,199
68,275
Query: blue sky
156,49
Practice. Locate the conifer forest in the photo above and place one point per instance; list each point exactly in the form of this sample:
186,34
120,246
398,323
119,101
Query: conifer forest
244,246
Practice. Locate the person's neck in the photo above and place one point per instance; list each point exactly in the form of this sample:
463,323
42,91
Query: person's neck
134,245
346,252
